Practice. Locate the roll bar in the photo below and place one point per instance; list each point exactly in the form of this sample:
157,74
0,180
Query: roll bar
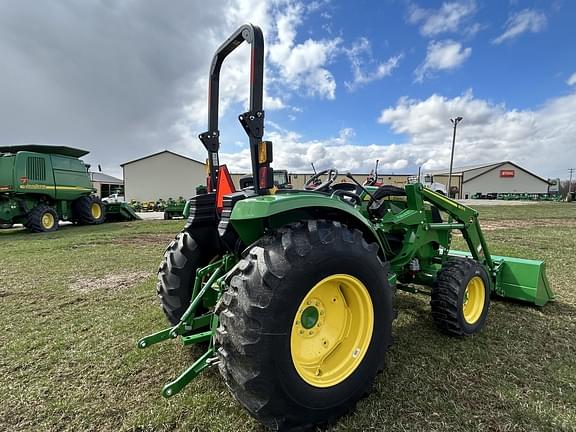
253,119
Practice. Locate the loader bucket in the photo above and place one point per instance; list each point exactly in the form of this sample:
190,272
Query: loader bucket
520,279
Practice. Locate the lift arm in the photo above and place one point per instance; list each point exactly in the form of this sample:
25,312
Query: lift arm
467,221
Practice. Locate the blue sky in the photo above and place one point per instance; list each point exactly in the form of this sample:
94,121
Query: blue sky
346,82
513,56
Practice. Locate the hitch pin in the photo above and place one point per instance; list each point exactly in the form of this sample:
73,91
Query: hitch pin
212,361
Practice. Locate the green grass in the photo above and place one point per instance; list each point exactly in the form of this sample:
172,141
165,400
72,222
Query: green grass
73,303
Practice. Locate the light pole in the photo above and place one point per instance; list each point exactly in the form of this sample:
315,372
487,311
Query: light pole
455,122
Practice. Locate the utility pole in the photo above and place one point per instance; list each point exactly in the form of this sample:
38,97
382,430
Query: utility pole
455,122
570,181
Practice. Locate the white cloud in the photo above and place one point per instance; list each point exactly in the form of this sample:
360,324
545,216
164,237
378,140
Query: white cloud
289,66
295,154
360,53
302,65
447,18
572,79
489,132
527,20
442,55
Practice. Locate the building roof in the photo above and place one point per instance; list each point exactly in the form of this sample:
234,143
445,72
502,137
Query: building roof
489,167
463,169
159,153
41,148
104,178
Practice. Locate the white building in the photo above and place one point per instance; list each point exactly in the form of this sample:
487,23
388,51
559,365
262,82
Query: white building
162,175
493,178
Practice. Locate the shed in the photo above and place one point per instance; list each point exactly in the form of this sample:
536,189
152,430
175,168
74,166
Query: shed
492,178
162,175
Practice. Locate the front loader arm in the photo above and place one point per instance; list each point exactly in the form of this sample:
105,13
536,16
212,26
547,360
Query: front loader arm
468,223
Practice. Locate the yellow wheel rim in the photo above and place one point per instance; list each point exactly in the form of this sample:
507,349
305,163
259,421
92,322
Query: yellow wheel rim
474,299
48,221
332,330
96,210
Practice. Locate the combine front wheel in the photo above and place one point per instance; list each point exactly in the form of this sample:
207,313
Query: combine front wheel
89,210
304,324
461,297
42,218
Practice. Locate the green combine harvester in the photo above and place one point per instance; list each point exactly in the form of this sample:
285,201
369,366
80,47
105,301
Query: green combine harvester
41,185
292,292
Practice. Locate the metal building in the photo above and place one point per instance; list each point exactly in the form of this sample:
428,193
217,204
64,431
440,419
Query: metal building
491,179
162,175
106,185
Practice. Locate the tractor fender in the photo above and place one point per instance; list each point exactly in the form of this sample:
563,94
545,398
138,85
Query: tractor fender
253,216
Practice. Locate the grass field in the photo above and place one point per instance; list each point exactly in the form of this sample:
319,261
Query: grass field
73,303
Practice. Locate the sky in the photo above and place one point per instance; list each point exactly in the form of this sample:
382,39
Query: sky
346,82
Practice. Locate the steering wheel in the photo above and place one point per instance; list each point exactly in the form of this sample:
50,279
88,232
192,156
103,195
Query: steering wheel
312,182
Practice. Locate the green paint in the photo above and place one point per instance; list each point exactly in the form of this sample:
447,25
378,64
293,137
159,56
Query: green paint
250,216
192,329
28,177
309,317
414,261
520,279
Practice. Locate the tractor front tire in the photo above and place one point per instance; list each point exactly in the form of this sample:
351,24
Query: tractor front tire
304,324
461,297
42,218
89,210
177,273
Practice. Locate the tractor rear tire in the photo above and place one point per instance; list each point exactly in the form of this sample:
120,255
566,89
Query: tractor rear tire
89,210
274,311
177,273
42,218
461,297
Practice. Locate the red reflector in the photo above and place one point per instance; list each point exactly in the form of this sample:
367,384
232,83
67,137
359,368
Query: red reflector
225,186
263,177
209,183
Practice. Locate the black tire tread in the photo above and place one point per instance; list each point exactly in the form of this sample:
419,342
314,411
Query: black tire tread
243,313
446,289
82,213
177,272
34,218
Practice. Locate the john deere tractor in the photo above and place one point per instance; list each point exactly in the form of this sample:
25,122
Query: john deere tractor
292,291
40,185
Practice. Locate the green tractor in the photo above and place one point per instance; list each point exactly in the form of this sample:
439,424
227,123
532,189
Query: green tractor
41,185
174,208
292,292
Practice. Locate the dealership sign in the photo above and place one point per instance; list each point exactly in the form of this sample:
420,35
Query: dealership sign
507,173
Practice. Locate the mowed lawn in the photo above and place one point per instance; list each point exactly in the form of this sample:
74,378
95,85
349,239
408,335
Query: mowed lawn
73,304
